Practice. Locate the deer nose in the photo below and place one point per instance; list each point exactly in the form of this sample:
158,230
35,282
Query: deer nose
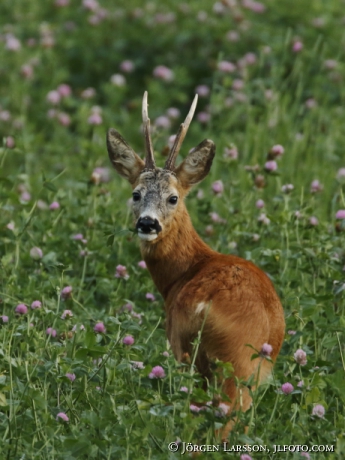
147,225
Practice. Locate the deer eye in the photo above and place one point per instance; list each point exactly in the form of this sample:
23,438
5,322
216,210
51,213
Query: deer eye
173,199
136,196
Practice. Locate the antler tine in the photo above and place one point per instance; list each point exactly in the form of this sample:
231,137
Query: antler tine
149,161
181,134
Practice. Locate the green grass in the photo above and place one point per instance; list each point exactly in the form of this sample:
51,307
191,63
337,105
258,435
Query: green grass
115,410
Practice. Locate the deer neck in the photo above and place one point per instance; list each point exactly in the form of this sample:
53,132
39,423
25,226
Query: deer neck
170,259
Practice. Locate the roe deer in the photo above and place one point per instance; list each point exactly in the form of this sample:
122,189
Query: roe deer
231,299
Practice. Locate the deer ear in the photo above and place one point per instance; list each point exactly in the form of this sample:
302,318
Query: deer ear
197,164
123,158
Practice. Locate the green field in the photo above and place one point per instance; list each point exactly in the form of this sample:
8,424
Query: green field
271,84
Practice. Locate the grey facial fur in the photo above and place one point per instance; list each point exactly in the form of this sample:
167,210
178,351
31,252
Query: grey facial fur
155,188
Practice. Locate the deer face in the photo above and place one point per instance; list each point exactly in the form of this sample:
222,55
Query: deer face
158,193
155,203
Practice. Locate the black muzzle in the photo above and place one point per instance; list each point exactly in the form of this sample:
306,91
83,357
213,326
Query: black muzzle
148,225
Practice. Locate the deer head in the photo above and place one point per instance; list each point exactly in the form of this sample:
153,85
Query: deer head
158,193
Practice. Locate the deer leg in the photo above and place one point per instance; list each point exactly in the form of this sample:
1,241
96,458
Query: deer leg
240,402
240,396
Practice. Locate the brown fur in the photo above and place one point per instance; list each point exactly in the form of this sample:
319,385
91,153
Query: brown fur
243,305
238,299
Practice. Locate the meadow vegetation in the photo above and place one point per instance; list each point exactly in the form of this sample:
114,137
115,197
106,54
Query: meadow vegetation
85,367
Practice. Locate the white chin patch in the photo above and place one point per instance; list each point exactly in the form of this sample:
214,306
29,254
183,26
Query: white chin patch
147,236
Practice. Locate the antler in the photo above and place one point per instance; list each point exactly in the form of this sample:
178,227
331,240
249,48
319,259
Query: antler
181,134
149,160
